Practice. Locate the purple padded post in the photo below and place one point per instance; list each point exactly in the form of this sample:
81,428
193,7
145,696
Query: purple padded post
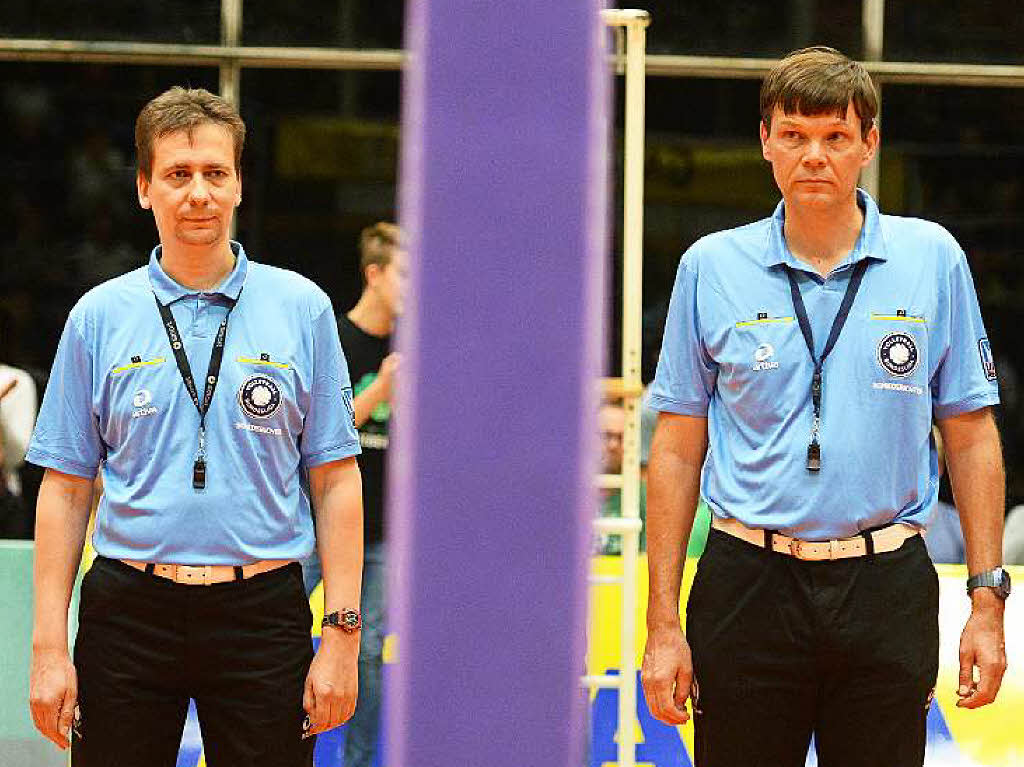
503,196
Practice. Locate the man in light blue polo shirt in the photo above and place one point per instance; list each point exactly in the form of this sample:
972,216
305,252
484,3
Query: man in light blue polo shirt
805,358
200,386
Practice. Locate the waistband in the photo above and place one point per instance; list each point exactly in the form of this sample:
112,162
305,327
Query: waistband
880,541
205,575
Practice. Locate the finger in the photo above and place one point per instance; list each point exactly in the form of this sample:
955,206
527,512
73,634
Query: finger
66,715
321,713
684,680
990,678
666,709
308,700
966,683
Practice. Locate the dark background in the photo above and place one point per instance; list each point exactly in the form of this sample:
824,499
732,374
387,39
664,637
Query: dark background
322,154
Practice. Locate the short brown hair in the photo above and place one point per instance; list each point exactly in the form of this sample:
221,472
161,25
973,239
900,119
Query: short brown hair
816,81
184,109
377,245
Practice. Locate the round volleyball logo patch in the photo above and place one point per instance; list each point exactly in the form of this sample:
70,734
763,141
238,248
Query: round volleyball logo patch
259,396
897,353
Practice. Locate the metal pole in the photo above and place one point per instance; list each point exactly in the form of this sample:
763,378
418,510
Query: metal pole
231,35
873,13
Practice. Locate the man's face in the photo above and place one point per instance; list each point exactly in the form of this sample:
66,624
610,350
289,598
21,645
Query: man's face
612,422
388,283
817,159
194,188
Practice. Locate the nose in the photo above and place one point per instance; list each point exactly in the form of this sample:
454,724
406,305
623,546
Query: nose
815,154
198,190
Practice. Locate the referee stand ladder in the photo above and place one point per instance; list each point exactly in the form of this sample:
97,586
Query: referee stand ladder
630,27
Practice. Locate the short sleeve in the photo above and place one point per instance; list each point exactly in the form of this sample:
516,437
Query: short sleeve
686,374
66,436
329,432
966,377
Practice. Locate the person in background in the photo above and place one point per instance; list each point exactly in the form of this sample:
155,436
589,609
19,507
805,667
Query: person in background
18,408
366,332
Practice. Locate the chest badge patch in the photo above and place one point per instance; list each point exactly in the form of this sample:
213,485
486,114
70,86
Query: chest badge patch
763,355
897,353
259,396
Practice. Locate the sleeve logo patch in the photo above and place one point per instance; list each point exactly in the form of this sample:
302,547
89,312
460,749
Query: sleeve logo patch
988,364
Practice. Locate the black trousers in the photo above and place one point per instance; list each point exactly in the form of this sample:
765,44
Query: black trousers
146,645
782,648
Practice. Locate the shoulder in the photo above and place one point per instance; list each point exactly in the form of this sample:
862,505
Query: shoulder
920,239
286,288
111,301
727,255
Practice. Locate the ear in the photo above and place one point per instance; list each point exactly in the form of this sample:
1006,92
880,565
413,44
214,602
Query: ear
766,152
871,142
372,273
142,185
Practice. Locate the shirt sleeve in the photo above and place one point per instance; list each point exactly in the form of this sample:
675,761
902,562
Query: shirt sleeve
67,437
686,374
966,377
329,433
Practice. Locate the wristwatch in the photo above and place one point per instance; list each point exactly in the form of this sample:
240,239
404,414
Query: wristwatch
997,579
348,620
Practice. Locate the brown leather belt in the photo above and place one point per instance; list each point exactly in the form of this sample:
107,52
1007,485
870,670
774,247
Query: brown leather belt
887,539
205,575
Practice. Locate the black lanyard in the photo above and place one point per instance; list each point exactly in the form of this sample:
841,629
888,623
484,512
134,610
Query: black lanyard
814,449
212,376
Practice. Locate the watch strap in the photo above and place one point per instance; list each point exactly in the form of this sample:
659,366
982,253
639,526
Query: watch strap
996,578
348,620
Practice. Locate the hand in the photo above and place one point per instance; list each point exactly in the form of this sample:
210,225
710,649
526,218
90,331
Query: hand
53,694
982,646
332,681
667,675
386,375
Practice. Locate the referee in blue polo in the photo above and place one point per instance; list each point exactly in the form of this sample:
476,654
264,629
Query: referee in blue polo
805,358
200,386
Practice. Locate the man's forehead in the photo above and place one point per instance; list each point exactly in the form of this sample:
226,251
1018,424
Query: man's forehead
612,416
206,143
828,116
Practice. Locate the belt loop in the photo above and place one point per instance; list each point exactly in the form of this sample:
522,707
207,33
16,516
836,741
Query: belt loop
869,544
150,568
239,575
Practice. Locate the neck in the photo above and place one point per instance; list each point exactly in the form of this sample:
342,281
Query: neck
371,317
198,269
823,238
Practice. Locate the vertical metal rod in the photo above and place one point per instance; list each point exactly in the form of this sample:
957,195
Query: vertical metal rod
632,310
873,26
231,34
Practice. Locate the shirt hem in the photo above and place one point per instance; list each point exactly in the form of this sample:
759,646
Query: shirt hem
348,450
976,402
50,461
667,405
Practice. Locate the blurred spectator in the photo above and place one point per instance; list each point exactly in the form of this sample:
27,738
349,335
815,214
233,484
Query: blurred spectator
1013,537
18,406
612,423
944,537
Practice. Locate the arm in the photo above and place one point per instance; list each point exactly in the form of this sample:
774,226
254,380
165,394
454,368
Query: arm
336,493
673,490
62,516
377,392
975,463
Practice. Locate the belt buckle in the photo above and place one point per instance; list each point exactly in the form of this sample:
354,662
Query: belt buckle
794,547
195,574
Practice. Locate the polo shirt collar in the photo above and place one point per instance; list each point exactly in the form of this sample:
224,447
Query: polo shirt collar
870,243
167,290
